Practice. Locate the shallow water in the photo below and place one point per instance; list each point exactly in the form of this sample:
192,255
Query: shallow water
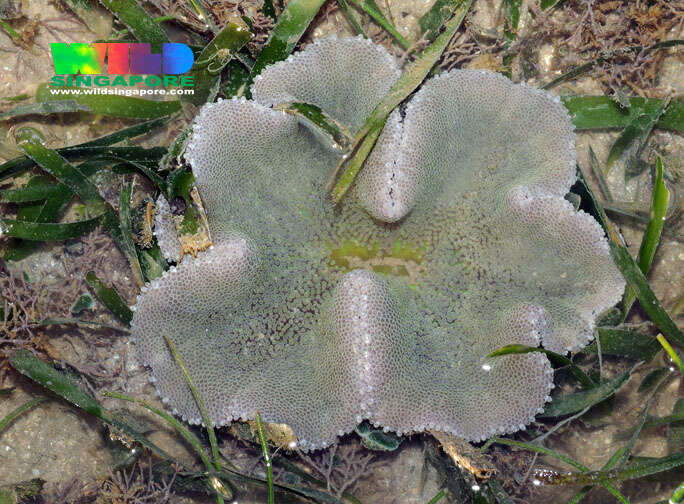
56,443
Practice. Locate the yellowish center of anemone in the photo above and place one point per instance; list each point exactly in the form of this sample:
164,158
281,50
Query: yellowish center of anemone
399,260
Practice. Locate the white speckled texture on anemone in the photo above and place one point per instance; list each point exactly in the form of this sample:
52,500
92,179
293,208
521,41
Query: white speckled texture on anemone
455,241
165,230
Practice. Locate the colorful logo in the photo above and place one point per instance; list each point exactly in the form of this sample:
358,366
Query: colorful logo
135,59
122,58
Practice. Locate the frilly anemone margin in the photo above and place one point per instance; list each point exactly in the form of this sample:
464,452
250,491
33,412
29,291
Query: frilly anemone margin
455,241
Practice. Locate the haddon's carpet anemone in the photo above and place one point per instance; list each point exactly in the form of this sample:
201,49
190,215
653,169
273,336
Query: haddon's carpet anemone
457,240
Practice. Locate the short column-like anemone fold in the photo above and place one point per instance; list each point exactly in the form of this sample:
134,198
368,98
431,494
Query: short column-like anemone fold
345,77
165,230
455,241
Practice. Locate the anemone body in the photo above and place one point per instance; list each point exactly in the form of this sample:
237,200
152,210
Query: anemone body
456,241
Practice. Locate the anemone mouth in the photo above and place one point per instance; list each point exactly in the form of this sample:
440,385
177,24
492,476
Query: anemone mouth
400,260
